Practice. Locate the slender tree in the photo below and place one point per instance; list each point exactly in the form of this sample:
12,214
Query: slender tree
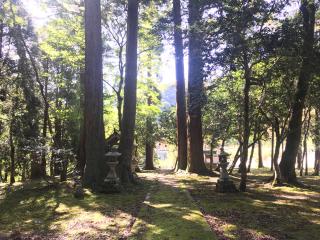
93,96
287,164
180,93
130,93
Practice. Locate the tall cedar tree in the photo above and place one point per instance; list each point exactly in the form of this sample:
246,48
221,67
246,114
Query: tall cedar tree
287,165
195,90
93,96
130,93
180,93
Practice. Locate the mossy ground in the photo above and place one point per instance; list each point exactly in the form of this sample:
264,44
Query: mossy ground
178,206
263,212
51,212
169,213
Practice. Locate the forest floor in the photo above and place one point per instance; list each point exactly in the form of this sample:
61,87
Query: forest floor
163,206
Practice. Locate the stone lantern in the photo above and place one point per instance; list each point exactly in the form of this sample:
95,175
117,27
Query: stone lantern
112,182
134,162
224,184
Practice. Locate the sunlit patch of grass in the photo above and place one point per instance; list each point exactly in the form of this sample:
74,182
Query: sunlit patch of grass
36,208
230,230
262,212
169,214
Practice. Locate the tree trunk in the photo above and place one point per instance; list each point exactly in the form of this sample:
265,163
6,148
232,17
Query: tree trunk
93,97
252,150
45,124
119,97
81,156
272,149
1,178
305,140
195,91
299,157
12,155
277,173
130,94
149,142
24,169
236,158
57,157
251,157
317,160
6,173
149,156
246,125
287,165
211,154
180,93
260,165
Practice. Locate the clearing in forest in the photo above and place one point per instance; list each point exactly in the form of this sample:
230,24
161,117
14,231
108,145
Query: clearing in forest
162,206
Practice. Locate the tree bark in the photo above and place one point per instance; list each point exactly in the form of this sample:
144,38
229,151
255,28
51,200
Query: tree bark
149,141
81,157
12,155
317,144
236,158
45,123
317,161
299,157
251,157
93,97
195,91
180,93
287,165
246,125
272,149
277,173
130,94
260,165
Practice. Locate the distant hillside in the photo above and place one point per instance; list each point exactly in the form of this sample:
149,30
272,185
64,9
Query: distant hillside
168,96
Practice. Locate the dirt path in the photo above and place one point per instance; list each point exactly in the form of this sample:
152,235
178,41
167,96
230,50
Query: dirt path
169,212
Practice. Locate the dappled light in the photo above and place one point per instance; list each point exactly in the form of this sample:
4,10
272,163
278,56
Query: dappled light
159,120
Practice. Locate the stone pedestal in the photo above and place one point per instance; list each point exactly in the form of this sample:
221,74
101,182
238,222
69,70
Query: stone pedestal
225,186
111,183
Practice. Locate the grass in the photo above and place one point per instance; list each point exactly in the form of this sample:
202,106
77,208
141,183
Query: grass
261,213
168,213
52,211
178,206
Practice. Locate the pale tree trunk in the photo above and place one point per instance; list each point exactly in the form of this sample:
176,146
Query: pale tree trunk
81,156
317,144
272,149
305,142
277,181
130,94
236,158
180,93
12,155
299,157
252,151
149,142
93,97
195,91
45,123
246,125
287,165
260,165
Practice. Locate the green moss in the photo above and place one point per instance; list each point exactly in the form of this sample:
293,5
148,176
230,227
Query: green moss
170,214
263,211
53,211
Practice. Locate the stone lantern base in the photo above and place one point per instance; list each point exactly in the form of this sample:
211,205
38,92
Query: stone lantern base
225,186
110,186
